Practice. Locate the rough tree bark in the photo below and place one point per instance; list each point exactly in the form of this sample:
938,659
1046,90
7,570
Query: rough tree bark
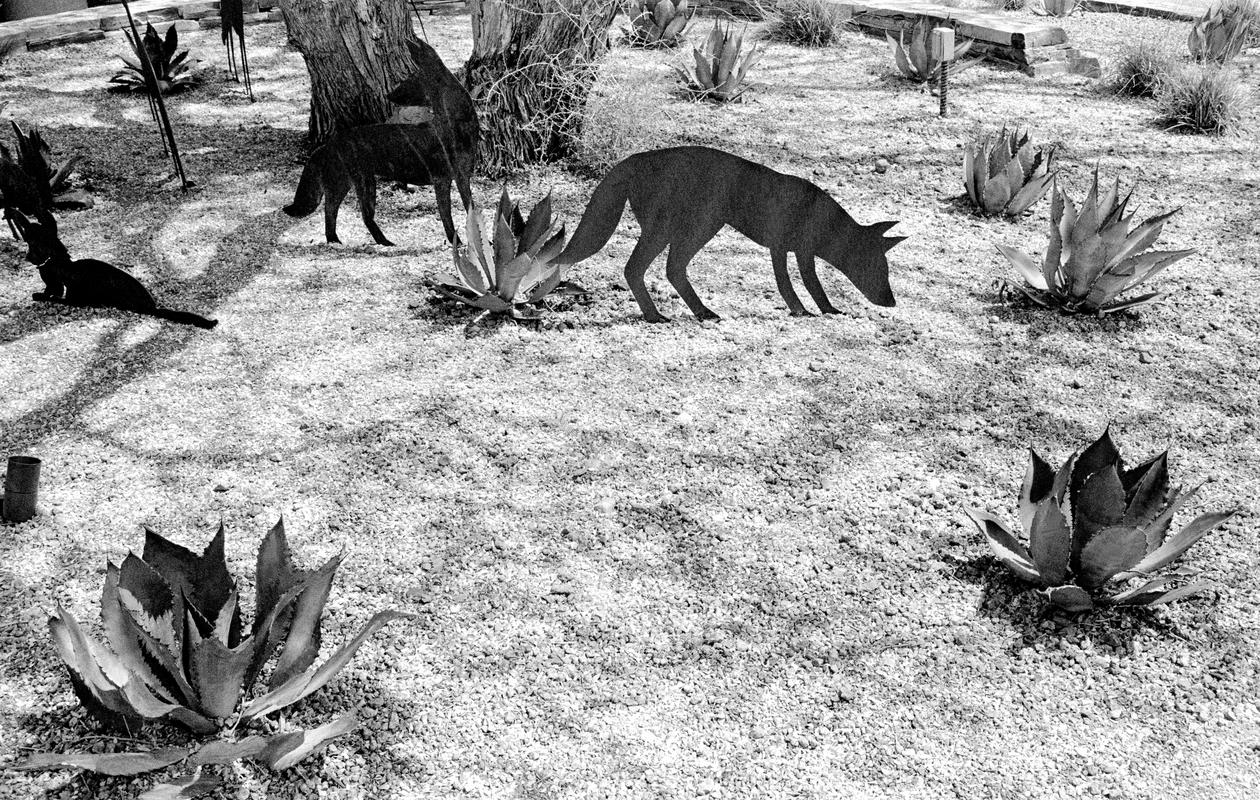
532,67
355,53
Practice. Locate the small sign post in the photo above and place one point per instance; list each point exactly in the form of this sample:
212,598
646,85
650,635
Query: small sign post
944,41
21,488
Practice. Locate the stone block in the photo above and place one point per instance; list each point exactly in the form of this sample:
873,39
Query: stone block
197,10
12,41
70,38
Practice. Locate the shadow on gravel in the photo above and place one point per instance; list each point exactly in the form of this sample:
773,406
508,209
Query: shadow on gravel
1027,611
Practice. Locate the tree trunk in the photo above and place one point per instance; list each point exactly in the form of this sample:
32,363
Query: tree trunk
355,52
532,67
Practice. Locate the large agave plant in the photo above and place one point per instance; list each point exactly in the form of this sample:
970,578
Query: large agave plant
506,267
719,70
1094,525
918,59
1220,34
1005,175
41,184
172,69
1093,255
179,653
658,23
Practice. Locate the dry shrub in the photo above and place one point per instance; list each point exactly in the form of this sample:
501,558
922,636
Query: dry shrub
804,23
1203,99
1143,66
623,116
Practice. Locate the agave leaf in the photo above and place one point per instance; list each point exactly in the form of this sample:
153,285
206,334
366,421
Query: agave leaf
1100,453
704,75
1000,159
547,286
300,686
1174,548
287,749
217,672
490,302
1029,194
969,171
662,13
997,191
731,45
301,645
1023,150
1005,545
1026,265
918,51
504,210
1050,542
504,242
1070,598
1108,553
99,693
552,247
673,29
106,763
1142,300
536,226
153,604
226,752
120,632
1143,593
1037,486
1147,488
754,55
193,784
1099,504
204,579
473,277
1180,593
510,276
899,55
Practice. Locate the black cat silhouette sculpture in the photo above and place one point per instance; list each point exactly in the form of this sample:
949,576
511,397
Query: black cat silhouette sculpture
436,153
682,197
86,281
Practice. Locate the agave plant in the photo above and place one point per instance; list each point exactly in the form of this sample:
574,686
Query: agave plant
1055,8
506,267
919,60
719,71
172,70
1005,175
1093,255
178,653
31,182
1221,33
1093,526
658,23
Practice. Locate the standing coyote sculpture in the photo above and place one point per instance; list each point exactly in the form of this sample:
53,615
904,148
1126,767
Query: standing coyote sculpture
682,197
436,153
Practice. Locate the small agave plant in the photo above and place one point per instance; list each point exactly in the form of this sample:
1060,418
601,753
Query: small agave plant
1220,34
172,69
179,653
1094,525
506,267
658,23
1005,175
1093,255
918,59
1055,8
719,71
46,185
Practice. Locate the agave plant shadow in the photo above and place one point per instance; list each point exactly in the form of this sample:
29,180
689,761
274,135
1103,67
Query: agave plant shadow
1004,597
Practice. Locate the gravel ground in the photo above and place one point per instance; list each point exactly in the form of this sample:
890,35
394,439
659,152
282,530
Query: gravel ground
679,561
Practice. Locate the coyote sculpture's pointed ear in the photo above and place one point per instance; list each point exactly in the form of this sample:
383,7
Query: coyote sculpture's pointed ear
892,241
48,221
880,228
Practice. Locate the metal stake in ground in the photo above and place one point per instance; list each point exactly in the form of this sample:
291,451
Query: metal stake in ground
944,41
21,488
155,99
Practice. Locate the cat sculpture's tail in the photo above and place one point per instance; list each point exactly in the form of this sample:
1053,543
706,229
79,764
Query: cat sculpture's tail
310,191
602,214
184,317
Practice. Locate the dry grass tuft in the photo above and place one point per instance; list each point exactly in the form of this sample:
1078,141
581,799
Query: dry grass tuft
1203,99
804,23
